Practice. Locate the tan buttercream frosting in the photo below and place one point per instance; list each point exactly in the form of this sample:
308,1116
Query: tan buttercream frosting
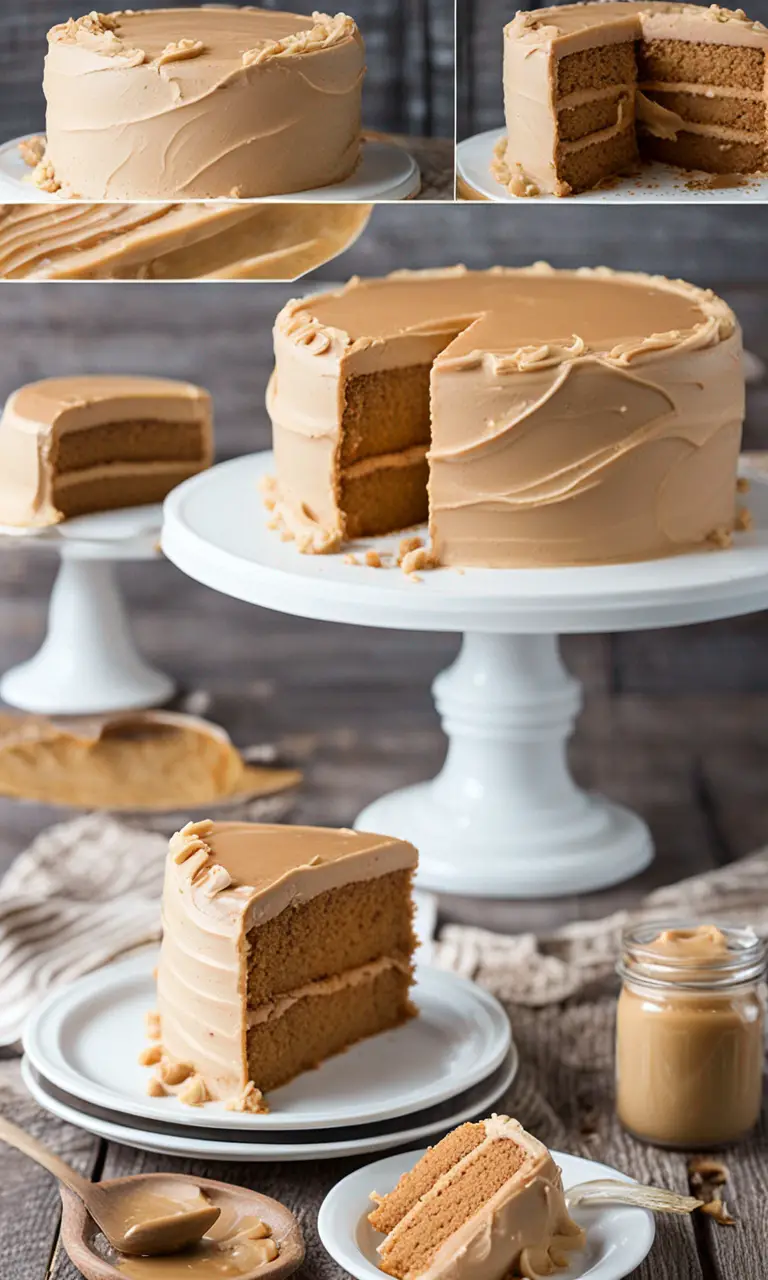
173,241
37,415
535,40
577,416
523,1229
201,102
222,880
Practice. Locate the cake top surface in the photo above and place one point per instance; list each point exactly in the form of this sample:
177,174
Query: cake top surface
69,402
532,313
572,19
260,855
218,35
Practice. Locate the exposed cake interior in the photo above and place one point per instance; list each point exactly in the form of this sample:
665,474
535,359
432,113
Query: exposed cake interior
314,930
488,1190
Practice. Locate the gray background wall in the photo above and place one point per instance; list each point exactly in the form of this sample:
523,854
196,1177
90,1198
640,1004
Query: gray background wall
408,88
219,334
479,100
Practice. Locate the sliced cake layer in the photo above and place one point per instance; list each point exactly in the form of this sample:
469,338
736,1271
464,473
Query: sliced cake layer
70,446
488,1190
281,947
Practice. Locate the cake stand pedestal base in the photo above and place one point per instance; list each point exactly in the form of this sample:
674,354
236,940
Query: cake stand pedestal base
88,662
504,817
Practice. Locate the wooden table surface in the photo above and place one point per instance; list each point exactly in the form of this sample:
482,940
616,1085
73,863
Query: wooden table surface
676,725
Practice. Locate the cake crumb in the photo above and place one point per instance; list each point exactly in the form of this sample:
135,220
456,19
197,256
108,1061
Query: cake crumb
706,1169
373,560
419,558
156,1088
742,485
152,1021
151,1056
32,150
174,1073
194,1093
721,537
743,519
251,1100
351,559
718,1210
406,545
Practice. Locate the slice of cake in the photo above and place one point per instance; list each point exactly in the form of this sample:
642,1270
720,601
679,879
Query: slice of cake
70,446
490,1196
281,946
200,103
591,89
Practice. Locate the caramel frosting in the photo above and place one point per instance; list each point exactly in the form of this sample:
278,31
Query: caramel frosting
37,416
535,40
173,241
577,416
201,102
222,880
524,1229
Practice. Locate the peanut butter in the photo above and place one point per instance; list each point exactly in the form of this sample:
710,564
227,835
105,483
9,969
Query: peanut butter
690,1034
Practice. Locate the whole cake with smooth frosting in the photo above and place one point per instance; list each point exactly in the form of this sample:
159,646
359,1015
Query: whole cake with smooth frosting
486,1203
282,946
95,442
536,417
201,102
208,241
590,90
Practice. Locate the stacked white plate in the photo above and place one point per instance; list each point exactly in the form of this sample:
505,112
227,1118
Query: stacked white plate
452,1063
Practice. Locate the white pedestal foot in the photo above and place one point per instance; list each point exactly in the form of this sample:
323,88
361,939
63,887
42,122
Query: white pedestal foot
504,817
88,662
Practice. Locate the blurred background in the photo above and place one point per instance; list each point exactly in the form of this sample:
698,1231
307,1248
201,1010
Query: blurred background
479,26
676,721
409,85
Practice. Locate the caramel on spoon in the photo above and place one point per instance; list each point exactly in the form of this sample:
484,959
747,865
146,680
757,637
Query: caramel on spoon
139,1216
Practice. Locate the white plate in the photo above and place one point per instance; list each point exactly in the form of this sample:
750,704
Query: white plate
385,172
656,183
617,1238
237,1148
86,1040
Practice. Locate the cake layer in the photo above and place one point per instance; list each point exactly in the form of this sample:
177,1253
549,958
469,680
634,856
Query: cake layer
388,497
576,417
493,1207
552,55
227,886
85,421
201,102
584,164
173,241
339,929
302,1030
397,401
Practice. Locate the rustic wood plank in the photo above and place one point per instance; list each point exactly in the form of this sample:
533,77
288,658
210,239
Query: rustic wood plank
29,1198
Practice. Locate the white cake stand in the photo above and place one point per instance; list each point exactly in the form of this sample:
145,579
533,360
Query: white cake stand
385,172
504,817
88,662
656,184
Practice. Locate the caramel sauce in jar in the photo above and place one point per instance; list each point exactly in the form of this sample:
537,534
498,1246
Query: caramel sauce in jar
690,1034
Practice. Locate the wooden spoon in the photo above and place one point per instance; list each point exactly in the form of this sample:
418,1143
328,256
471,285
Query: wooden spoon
138,1216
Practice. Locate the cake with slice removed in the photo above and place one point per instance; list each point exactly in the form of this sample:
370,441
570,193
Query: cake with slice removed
72,446
282,945
485,1202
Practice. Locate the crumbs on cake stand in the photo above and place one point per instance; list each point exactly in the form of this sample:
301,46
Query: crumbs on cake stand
411,557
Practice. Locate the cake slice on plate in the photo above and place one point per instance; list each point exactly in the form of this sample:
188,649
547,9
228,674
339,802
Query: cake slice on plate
282,945
488,1200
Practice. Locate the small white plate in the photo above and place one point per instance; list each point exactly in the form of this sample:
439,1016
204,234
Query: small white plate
618,1238
654,184
385,172
86,1040
236,1147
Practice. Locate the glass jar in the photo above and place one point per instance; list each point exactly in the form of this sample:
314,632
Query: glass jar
690,1034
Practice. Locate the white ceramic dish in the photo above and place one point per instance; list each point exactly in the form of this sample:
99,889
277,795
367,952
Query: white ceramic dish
86,1040
296,1145
385,172
617,1238
655,184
